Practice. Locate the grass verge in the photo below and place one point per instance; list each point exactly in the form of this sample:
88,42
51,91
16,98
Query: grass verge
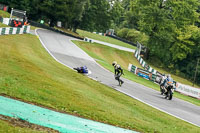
106,55
3,25
4,14
29,73
104,39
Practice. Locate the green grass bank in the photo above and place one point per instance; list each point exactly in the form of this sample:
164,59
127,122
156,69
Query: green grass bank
104,39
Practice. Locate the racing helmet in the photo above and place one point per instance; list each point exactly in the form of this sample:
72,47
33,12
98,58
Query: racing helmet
114,63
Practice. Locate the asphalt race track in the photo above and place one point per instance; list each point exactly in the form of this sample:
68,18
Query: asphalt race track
64,51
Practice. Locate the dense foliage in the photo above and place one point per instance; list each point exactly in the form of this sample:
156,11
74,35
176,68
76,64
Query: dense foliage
168,28
90,15
172,27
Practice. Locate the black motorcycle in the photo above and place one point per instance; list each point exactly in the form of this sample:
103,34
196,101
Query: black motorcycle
167,90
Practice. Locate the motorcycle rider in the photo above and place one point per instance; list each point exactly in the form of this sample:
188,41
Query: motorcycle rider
162,83
168,79
163,79
118,72
82,69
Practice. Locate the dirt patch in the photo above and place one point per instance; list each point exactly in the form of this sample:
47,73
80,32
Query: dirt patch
25,124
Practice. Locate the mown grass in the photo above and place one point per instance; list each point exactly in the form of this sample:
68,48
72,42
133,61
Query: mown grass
6,127
4,14
104,39
3,25
106,55
28,72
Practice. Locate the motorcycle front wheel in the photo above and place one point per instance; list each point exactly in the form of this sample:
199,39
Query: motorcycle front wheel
169,95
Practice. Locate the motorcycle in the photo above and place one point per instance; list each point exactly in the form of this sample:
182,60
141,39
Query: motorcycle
167,90
83,70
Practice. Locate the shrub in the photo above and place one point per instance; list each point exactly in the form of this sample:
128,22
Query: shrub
123,33
133,35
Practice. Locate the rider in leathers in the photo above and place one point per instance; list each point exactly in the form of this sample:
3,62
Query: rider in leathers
118,72
168,79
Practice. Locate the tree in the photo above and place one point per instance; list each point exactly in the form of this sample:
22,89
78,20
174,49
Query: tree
162,20
117,13
96,16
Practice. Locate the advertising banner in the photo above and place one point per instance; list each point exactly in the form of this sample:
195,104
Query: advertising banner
188,90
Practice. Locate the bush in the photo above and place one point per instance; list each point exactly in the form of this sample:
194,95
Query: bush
123,33
133,35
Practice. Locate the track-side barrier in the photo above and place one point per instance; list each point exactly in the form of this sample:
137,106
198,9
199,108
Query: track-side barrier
88,40
12,31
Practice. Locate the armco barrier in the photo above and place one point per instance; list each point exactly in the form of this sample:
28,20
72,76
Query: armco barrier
11,30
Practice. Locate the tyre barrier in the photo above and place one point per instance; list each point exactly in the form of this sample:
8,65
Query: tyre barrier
12,31
5,20
88,40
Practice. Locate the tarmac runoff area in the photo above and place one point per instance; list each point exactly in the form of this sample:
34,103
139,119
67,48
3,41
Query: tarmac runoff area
62,122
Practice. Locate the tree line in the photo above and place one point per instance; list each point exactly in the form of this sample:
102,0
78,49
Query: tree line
91,15
168,28
172,27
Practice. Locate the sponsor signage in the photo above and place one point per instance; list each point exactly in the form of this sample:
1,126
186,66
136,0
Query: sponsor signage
188,90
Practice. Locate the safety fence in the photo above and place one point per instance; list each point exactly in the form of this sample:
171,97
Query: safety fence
15,30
